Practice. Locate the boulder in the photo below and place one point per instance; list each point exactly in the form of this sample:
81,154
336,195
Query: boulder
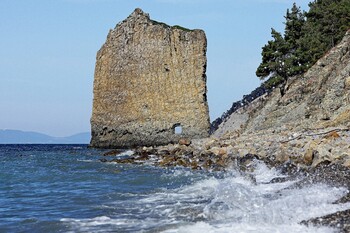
185,141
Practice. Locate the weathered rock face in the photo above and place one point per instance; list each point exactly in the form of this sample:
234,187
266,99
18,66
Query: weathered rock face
309,124
317,100
149,82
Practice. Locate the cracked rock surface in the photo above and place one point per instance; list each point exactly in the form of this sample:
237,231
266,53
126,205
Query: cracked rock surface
150,79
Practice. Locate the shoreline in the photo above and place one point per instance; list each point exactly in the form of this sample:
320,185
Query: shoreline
305,149
305,155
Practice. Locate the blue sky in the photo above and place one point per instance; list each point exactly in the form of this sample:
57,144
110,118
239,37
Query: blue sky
48,50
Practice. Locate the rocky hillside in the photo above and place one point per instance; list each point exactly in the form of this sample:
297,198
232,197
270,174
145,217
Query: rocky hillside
318,99
309,108
247,100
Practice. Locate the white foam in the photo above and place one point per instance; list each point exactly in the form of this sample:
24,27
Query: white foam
201,227
125,153
87,160
129,152
232,204
264,174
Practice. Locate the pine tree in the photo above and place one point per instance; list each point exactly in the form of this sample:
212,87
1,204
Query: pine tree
279,56
327,22
273,59
307,36
295,20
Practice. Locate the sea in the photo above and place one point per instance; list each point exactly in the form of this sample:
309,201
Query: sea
66,188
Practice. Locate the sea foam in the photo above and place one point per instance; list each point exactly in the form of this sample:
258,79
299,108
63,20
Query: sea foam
233,203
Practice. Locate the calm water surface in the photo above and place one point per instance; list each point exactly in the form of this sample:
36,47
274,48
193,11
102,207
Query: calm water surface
65,188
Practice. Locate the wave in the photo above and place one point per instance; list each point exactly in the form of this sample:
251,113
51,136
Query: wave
233,202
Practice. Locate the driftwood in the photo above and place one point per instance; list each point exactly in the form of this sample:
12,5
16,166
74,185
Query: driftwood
314,134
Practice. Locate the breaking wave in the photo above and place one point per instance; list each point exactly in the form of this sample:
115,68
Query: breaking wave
222,202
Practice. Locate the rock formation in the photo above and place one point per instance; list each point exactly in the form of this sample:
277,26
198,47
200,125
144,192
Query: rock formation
306,127
149,85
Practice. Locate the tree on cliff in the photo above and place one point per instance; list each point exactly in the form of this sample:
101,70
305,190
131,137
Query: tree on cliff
279,56
307,36
327,22
295,21
273,59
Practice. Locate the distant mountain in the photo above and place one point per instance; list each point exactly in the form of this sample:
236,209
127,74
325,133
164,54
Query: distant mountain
79,138
23,137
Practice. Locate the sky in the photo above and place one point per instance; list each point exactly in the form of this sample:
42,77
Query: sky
48,51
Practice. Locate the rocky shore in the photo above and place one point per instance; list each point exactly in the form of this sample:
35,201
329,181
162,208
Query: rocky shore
302,131
303,149
312,157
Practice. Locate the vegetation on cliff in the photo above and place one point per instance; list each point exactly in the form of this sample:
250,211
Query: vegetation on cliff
307,36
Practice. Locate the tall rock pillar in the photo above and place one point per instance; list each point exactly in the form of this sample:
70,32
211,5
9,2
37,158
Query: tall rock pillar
149,85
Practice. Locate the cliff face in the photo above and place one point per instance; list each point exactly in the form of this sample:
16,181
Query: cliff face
319,99
308,124
149,80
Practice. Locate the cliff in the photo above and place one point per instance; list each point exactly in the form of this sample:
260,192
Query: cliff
149,85
307,126
318,99
309,123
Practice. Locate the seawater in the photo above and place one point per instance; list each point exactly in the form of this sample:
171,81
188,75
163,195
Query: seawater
65,188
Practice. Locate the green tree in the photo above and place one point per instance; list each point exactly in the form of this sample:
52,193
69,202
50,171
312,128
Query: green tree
279,56
273,57
327,21
295,20
307,36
